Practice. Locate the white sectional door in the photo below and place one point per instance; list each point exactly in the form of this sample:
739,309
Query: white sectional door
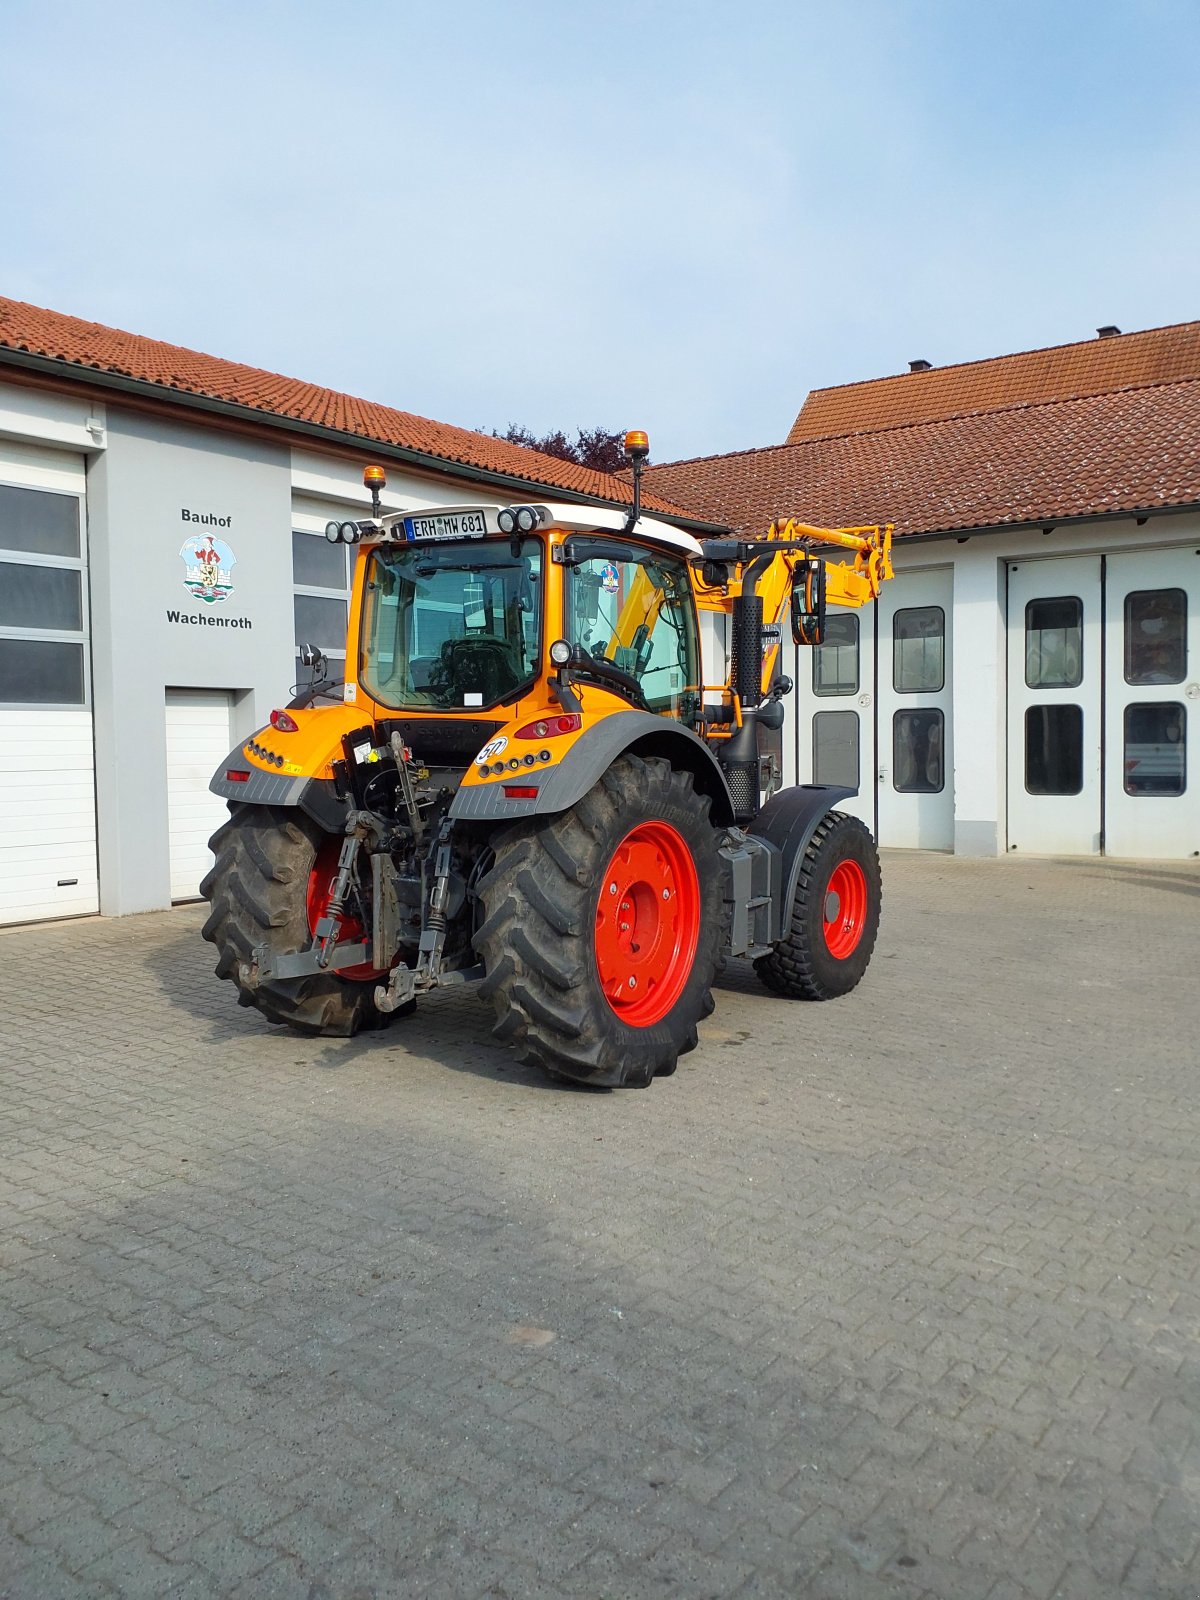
47,814
198,741
47,780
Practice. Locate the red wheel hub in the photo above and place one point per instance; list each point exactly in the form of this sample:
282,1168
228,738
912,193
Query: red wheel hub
320,892
845,909
647,923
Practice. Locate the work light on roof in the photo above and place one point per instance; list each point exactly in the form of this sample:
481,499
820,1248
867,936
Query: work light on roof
333,531
518,519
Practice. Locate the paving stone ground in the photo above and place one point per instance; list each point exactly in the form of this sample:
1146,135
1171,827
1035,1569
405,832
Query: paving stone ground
891,1297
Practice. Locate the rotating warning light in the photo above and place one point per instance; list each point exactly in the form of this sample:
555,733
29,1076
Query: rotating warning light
637,445
374,478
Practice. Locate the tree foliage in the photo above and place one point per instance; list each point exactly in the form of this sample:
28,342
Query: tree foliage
591,447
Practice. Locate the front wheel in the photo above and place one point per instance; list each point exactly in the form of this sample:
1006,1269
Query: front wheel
834,915
600,928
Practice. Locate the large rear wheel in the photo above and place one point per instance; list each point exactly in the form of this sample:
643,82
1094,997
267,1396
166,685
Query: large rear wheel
600,928
271,879
834,919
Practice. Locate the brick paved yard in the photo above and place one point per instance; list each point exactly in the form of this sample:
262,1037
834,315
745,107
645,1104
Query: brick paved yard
895,1296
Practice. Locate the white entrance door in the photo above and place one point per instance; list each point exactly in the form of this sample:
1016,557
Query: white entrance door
1055,673
198,740
916,764
832,730
1152,704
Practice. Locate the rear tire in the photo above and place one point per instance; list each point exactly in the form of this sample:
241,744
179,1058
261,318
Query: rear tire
834,916
601,926
258,889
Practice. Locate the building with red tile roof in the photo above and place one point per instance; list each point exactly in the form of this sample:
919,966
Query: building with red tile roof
1030,680
50,345
1009,453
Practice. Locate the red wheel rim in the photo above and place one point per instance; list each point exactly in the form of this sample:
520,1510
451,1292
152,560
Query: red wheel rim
845,909
647,923
320,891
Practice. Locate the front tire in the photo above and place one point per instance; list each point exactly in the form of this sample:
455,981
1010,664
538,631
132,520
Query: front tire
834,917
601,925
263,887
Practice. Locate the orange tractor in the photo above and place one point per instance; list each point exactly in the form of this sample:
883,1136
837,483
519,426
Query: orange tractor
529,784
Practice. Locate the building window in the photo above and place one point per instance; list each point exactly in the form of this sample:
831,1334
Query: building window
835,660
321,599
1054,643
43,619
835,748
1156,748
918,745
1054,749
918,650
1156,636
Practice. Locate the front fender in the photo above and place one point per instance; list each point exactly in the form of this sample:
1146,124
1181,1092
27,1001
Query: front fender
787,822
582,766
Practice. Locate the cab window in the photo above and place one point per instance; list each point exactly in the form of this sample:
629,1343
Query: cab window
634,607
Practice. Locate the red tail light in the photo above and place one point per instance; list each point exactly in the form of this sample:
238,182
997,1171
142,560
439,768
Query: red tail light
235,775
520,791
551,727
284,722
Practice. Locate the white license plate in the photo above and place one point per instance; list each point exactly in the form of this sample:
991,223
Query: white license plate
456,525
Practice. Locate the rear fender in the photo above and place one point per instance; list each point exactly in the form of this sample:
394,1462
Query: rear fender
585,762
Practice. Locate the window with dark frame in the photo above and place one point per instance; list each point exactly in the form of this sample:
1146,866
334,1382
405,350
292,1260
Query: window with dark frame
918,751
835,660
42,600
1155,636
320,600
1054,643
1054,749
919,650
1155,748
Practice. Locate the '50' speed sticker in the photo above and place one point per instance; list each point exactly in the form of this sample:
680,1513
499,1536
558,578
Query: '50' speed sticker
492,748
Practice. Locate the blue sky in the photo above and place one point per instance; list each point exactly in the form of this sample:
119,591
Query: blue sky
674,216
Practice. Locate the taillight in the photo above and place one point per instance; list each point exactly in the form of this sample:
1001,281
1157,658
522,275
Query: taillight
551,727
235,775
520,791
285,723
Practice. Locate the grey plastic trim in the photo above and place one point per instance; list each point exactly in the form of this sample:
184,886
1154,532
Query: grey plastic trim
585,763
315,796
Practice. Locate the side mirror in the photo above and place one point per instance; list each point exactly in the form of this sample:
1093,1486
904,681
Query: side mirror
313,658
808,605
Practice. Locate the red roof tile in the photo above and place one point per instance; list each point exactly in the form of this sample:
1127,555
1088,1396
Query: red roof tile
1134,451
1032,377
91,345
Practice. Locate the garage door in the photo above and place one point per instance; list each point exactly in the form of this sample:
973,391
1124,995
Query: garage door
198,740
47,788
47,814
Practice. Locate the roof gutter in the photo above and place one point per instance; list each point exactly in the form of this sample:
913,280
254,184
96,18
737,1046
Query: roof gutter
1138,513
185,399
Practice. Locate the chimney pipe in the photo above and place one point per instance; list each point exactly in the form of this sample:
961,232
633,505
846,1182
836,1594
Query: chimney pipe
919,366
1108,331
